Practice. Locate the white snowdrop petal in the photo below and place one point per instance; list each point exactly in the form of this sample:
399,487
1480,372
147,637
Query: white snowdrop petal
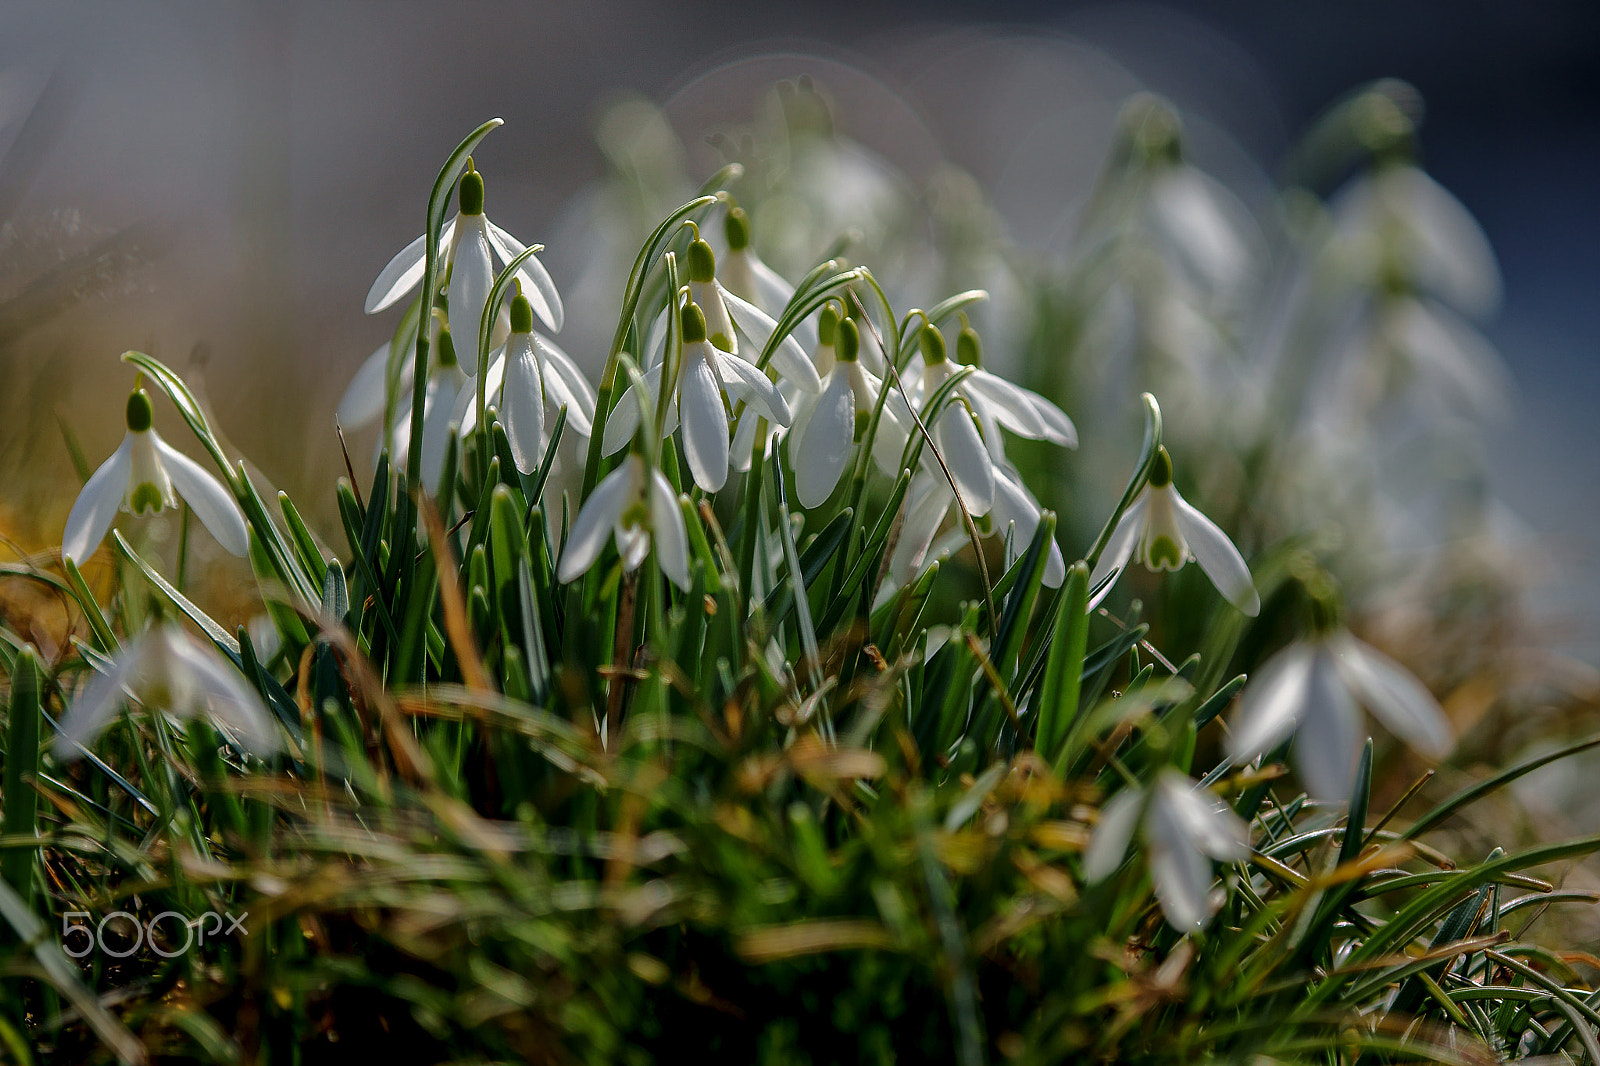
927,501
596,518
471,278
363,398
1328,743
708,296
705,423
210,502
1217,556
96,506
788,359
522,404
1456,258
227,697
671,537
1205,820
820,449
537,285
1180,874
1272,704
970,467
773,290
623,422
743,380
560,367
1006,403
1109,845
404,271
438,415
97,702
894,432
1390,691
1119,548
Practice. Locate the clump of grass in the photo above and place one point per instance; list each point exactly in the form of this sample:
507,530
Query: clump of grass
761,791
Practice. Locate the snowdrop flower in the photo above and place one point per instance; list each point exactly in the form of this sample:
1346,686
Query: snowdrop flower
928,502
827,430
535,372
724,311
1163,531
144,475
446,401
470,242
744,274
168,670
1182,827
954,432
1311,689
1420,227
970,442
634,504
706,373
997,402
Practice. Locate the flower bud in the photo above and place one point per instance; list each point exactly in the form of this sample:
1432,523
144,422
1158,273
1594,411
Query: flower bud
932,342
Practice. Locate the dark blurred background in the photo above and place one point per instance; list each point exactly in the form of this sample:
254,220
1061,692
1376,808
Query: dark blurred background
218,183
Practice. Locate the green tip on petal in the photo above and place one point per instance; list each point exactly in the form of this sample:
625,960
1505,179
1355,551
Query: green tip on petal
1161,470
145,499
736,227
702,261
932,341
847,342
827,323
968,349
471,191
140,415
694,323
521,314
1164,554
447,349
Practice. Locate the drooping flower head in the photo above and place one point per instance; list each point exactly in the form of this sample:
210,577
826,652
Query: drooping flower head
743,272
828,429
1312,689
706,373
1163,531
536,373
471,245
637,506
1182,828
167,670
143,476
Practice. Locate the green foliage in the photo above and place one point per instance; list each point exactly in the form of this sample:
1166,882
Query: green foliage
790,813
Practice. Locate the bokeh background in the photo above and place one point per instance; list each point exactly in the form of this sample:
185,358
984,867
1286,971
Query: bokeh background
218,183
